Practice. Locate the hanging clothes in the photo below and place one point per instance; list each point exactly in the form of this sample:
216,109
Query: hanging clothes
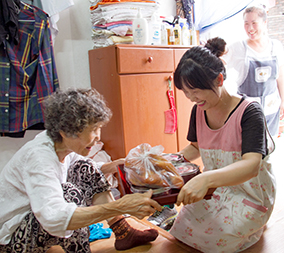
27,72
9,21
36,3
213,14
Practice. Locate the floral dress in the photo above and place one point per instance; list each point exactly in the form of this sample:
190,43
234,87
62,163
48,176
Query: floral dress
233,219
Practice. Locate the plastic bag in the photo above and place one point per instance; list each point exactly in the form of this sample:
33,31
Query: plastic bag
145,166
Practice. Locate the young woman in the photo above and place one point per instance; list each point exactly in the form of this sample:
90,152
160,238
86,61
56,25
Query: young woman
49,191
259,62
228,132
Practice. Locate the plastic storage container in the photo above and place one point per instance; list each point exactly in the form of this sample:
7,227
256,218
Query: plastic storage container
164,36
155,30
185,34
193,37
177,34
140,30
171,35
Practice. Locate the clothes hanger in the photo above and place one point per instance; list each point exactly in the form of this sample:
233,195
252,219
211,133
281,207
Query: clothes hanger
17,8
27,5
18,11
26,21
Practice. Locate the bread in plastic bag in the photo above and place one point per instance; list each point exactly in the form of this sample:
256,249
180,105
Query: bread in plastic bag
145,166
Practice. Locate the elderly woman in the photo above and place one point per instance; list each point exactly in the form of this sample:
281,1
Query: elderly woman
50,192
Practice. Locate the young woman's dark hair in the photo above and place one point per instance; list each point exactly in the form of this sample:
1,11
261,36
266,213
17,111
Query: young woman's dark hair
200,66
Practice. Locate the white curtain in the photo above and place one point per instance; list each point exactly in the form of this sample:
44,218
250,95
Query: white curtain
208,13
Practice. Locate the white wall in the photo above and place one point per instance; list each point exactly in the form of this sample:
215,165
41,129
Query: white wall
72,44
71,55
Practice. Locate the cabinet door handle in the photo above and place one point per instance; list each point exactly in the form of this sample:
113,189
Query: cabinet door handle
150,59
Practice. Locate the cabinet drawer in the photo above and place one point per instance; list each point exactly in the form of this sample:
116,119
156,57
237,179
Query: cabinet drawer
144,60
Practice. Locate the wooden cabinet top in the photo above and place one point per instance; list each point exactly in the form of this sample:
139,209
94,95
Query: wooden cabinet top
144,46
130,58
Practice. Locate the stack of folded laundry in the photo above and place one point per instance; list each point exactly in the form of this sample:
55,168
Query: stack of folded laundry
112,20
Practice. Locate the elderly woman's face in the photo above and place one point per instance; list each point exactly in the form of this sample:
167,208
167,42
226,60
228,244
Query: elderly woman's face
83,143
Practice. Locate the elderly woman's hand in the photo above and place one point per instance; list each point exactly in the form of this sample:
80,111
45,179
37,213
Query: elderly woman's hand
138,204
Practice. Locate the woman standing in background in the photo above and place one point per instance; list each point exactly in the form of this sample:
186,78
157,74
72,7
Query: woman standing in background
259,62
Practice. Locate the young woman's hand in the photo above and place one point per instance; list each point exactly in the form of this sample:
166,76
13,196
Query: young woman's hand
193,191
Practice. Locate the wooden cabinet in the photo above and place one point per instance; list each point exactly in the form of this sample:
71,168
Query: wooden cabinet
134,81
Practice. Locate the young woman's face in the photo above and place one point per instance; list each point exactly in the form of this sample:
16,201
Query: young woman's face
83,143
204,99
254,26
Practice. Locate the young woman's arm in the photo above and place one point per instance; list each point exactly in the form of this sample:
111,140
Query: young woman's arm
233,174
191,152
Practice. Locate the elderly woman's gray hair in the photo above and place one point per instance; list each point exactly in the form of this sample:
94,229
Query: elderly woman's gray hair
72,110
